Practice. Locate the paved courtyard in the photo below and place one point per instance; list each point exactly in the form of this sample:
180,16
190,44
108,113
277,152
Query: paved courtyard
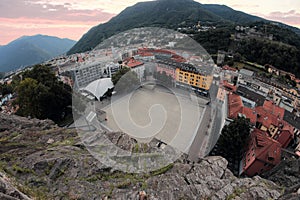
149,113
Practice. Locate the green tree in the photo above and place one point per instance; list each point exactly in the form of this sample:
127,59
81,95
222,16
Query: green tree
41,95
6,89
117,76
28,93
125,80
234,137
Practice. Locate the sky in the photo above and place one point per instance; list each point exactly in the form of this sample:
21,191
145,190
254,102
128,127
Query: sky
72,18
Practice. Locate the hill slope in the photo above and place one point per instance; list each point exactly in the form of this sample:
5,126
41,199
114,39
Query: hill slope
167,14
29,50
230,14
163,13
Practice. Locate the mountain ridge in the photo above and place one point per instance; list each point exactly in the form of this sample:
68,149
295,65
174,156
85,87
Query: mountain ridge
164,14
29,50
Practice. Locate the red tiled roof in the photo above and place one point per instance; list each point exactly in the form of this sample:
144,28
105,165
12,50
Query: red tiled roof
264,148
228,86
178,58
250,114
145,53
132,63
269,114
270,107
236,107
226,67
266,118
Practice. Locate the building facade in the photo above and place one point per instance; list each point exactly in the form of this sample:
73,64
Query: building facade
263,153
190,76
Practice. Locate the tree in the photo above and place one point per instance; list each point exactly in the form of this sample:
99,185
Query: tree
6,89
233,139
125,80
117,76
41,95
28,96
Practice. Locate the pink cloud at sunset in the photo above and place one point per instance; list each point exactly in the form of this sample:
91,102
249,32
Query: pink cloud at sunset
290,17
18,18
72,18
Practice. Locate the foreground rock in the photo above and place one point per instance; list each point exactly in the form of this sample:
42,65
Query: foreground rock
48,162
8,191
287,174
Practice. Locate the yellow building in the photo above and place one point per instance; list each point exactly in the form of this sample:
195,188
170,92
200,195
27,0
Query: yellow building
191,77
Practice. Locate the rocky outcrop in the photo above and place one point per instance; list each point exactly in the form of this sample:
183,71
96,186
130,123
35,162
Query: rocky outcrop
8,191
287,174
48,162
15,123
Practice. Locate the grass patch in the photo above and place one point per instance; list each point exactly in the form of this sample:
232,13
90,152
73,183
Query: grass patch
237,192
68,142
162,170
125,184
41,193
21,170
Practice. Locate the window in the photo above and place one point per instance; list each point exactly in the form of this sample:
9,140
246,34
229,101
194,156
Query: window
270,158
261,170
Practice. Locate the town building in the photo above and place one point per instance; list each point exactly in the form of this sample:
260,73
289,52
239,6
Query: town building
90,72
251,95
267,118
187,74
237,109
168,66
136,66
262,154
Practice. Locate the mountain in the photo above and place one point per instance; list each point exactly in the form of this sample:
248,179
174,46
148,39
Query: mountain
162,13
29,50
230,14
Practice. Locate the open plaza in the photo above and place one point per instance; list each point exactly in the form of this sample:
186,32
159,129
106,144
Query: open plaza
156,112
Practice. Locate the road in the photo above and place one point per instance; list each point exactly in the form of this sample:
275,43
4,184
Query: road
210,127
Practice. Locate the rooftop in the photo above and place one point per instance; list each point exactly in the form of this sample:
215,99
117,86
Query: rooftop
132,63
262,148
253,96
226,67
292,119
246,72
236,107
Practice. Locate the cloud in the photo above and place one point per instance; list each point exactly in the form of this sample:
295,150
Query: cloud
19,17
44,10
291,17
245,6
